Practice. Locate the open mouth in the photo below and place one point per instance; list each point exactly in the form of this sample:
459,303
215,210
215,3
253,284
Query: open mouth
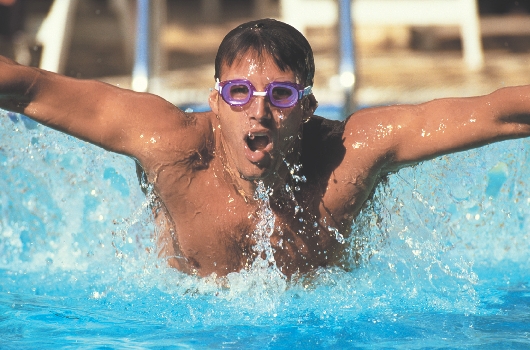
257,142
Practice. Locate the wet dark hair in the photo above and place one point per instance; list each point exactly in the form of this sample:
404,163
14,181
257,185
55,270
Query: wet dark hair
287,46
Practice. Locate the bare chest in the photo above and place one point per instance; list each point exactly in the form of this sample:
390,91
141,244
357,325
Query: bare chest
216,229
210,225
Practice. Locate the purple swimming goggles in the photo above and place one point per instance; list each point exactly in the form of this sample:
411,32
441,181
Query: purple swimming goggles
238,92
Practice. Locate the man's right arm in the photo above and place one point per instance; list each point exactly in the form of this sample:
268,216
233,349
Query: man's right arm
116,119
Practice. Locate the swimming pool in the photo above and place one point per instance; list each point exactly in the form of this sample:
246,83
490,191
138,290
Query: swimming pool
444,261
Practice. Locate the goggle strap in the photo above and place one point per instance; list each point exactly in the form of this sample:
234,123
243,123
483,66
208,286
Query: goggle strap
306,91
217,86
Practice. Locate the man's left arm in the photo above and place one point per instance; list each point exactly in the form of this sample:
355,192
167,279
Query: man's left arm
410,134
384,139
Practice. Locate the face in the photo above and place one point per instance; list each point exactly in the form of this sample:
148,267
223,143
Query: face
257,136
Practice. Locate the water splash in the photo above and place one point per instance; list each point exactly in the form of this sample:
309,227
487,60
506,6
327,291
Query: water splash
426,250
58,202
297,179
265,226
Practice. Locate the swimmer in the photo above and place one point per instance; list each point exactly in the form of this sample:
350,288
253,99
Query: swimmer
261,131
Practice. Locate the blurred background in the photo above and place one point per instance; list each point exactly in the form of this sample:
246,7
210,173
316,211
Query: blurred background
395,62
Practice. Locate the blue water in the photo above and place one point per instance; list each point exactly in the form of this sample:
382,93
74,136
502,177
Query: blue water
444,254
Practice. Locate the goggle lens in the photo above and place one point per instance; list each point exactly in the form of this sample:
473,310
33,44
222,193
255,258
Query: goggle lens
283,95
239,92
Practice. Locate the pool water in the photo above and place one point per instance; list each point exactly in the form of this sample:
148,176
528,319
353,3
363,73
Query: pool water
443,261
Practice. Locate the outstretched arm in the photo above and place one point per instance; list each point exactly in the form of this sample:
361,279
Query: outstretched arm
450,125
113,118
382,140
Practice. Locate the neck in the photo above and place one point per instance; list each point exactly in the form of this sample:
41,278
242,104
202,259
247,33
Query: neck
276,179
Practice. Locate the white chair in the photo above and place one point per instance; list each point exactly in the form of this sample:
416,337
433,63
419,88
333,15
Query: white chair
462,13
55,32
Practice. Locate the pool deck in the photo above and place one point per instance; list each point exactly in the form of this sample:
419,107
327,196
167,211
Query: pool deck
385,73
393,76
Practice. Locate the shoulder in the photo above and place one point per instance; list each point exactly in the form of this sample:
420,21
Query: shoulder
366,135
178,138
169,125
324,127
322,146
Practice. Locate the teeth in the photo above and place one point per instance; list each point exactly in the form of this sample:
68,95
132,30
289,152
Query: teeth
257,141
253,135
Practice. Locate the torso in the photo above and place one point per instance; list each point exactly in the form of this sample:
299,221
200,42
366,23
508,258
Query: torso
211,225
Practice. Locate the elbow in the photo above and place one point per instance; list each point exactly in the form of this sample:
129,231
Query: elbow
516,125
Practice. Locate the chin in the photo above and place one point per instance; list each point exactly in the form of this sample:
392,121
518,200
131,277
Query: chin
253,171
255,175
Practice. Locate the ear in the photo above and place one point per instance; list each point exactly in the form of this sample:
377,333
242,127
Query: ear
213,100
309,105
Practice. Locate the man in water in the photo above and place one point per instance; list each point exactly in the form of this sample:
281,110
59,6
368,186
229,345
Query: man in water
260,134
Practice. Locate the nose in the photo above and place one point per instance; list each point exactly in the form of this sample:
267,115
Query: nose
259,109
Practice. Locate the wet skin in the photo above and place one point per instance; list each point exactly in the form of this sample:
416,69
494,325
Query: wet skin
205,167
247,144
